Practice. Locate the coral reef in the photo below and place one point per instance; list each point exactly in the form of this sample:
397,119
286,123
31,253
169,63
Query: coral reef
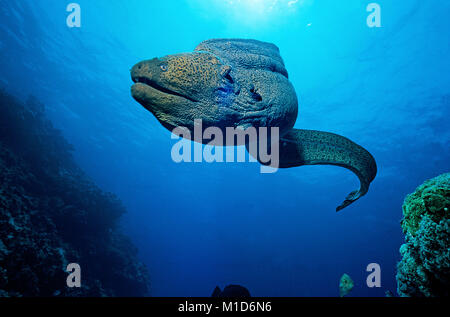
425,267
345,285
52,214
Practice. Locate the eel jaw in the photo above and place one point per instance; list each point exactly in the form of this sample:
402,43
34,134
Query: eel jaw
142,81
167,107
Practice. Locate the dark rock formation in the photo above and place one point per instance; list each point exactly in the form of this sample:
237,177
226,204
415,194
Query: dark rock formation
229,291
52,214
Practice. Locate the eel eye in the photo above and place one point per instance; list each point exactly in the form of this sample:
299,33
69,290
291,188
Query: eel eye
164,68
226,73
229,78
255,95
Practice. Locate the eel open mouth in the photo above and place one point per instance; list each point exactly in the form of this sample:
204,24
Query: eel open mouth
154,85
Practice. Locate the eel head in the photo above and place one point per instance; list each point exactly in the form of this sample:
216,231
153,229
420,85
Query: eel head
180,88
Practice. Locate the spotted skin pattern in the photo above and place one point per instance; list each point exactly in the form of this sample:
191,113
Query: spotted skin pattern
309,147
191,71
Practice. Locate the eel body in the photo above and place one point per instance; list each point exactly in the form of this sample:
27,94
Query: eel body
243,83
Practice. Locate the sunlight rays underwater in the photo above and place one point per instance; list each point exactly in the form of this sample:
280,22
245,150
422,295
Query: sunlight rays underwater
254,14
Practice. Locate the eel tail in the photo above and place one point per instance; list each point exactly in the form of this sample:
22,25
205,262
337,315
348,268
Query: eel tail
309,147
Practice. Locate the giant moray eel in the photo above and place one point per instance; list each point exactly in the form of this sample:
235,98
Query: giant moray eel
243,83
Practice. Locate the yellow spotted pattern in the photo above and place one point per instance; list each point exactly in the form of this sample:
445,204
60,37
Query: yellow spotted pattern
193,70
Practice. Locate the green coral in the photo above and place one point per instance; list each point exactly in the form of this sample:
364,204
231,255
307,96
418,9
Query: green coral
425,267
345,285
431,198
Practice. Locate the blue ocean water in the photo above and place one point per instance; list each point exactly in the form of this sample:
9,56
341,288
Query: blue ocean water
198,225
